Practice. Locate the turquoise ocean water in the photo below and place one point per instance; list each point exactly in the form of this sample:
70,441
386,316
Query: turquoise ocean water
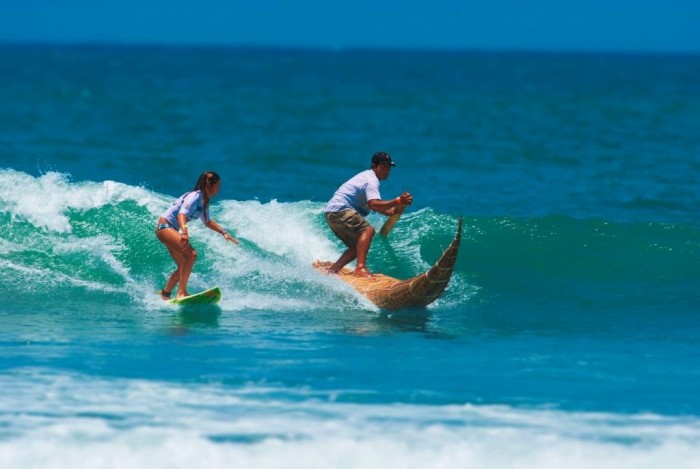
569,334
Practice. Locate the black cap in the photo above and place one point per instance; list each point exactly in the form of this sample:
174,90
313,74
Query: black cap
382,158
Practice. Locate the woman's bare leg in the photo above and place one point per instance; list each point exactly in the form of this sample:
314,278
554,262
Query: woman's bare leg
184,259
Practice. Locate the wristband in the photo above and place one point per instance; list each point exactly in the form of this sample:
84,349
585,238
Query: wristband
223,232
398,201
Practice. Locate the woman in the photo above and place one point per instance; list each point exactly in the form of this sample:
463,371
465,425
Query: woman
172,231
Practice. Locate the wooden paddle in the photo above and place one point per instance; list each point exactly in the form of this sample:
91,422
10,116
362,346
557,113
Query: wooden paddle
389,224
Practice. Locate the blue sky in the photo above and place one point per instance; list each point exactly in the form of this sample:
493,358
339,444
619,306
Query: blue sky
579,25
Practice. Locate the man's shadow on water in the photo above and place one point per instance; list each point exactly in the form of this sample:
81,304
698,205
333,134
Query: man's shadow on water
409,320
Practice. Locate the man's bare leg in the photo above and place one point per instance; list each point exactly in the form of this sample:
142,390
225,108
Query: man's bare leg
363,244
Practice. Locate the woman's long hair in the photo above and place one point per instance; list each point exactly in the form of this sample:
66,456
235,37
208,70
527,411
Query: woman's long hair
206,179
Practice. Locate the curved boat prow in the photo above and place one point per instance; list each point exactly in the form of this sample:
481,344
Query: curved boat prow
425,288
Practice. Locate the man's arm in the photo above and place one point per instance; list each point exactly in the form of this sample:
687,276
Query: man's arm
390,207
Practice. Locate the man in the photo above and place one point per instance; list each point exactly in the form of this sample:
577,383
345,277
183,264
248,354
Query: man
346,211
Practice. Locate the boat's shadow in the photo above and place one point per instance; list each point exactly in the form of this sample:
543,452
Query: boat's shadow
413,319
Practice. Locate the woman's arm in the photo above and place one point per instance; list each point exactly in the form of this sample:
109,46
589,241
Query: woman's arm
219,229
184,234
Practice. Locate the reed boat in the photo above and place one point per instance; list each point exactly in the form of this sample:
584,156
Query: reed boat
392,293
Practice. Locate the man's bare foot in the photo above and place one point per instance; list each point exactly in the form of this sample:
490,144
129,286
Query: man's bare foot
362,273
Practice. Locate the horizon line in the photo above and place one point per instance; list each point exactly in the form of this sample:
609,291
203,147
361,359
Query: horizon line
347,48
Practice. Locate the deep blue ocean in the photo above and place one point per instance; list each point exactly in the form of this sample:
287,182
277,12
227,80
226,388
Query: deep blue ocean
569,334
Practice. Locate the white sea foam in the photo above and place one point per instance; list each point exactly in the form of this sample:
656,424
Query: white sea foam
61,420
279,243
282,229
44,200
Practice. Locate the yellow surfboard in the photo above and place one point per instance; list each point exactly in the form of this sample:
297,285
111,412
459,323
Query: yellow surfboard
206,297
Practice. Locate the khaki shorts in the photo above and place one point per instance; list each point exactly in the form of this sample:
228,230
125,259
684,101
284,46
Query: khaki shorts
347,225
